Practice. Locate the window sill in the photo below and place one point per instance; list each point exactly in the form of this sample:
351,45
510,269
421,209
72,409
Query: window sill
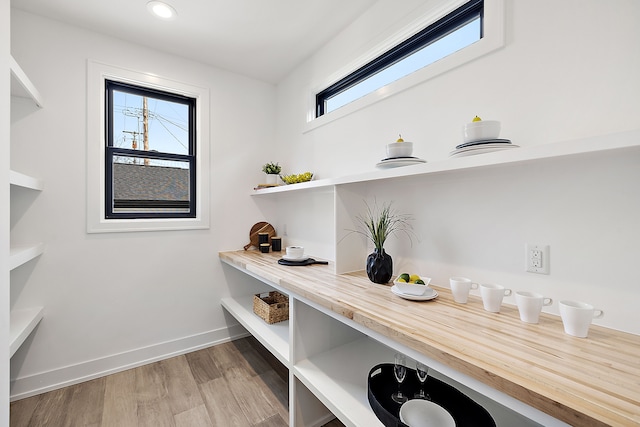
136,225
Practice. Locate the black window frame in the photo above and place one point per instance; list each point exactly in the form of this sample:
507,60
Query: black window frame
112,151
433,32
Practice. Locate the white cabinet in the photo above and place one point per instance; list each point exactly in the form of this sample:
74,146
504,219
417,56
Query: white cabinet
23,320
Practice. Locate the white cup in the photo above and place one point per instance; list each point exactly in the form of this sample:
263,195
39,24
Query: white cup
577,316
530,305
460,288
492,295
295,251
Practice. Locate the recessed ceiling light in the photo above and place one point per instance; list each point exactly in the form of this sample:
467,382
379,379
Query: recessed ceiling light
162,10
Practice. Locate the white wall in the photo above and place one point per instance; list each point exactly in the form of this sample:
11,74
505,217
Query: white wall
568,70
122,298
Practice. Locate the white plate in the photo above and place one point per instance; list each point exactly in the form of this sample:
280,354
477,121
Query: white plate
483,146
483,142
295,258
424,413
488,148
395,162
429,294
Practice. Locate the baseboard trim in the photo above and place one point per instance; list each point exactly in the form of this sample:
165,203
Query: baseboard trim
74,374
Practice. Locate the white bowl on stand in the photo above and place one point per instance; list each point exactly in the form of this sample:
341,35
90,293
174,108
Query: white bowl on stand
481,131
399,149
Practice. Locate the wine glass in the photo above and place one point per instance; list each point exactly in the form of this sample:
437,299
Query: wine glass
422,371
400,372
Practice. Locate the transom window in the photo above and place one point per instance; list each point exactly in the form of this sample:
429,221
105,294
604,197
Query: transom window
451,33
150,157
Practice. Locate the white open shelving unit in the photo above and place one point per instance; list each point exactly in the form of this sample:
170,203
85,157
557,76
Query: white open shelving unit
274,337
21,85
328,357
338,377
25,181
23,320
21,254
616,141
330,360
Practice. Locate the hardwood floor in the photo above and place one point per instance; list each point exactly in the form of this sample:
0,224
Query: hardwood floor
232,384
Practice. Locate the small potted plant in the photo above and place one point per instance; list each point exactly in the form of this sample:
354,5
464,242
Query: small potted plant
378,223
272,170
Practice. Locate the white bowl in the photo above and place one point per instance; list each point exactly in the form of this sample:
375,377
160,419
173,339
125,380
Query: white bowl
399,149
295,251
424,413
483,130
412,288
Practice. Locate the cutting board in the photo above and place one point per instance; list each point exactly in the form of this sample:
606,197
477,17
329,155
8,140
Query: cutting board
260,227
307,261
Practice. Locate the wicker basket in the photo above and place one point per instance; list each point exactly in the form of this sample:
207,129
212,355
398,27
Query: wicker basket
272,307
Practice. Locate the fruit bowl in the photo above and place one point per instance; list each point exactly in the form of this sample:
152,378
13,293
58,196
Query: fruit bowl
481,130
296,178
412,288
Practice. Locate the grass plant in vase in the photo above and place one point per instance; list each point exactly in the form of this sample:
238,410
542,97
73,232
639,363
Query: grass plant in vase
272,171
378,224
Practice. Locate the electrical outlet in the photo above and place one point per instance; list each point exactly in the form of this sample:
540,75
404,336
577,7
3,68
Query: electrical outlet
537,258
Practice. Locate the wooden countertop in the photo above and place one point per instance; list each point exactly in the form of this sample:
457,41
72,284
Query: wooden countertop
582,381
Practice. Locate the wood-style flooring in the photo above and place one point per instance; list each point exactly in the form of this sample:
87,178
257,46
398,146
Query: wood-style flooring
233,384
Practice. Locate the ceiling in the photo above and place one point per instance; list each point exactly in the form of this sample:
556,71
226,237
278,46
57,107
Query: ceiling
263,39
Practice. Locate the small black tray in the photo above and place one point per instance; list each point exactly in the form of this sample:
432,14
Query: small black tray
307,261
382,384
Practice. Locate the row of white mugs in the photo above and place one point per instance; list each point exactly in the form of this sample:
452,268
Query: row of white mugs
576,316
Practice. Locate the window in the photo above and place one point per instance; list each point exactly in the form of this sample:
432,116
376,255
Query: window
150,153
147,152
449,34
444,35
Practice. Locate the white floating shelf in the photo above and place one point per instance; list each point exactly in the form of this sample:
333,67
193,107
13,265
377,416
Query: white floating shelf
22,254
617,141
25,181
338,378
274,337
23,322
21,86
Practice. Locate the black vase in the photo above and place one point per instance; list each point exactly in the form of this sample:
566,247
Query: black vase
379,266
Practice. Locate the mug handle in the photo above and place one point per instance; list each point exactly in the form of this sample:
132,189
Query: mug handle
597,313
507,292
547,301
474,285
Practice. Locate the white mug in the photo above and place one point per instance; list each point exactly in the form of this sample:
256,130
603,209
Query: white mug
530,305
577,316
492,295
460,288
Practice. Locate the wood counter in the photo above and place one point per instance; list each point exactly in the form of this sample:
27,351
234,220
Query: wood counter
581,381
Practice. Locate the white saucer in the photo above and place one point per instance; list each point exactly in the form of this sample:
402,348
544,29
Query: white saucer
395,162
430,293
424,413
483,142
295,258
480,149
